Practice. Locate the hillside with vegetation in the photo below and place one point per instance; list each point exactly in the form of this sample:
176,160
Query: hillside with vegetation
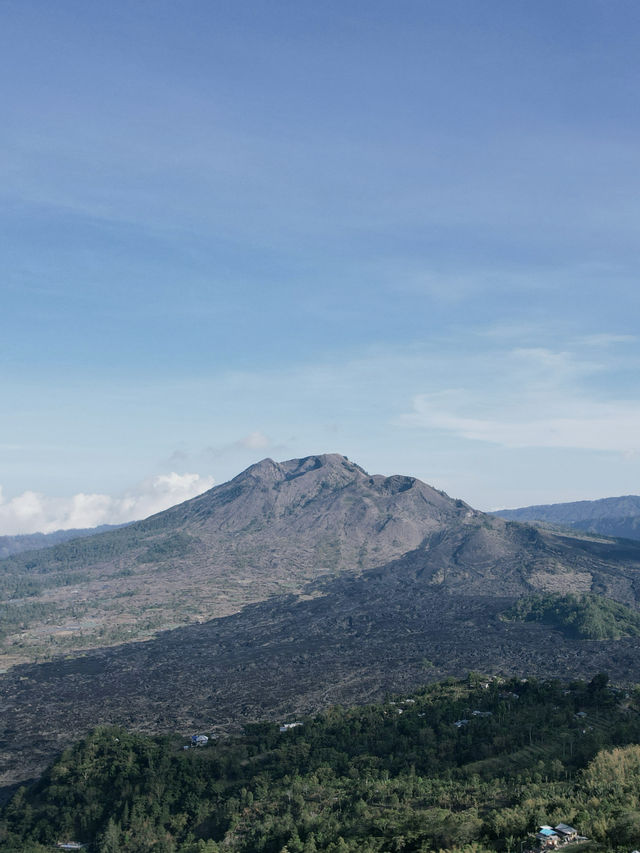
10,545
473,765
588,617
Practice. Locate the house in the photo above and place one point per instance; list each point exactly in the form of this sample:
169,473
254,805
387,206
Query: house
482,713
566,833
199,740
547,837
287,726
460,723
70,845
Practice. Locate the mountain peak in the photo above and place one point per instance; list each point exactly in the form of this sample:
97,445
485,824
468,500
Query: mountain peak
323,466
274,527
266,469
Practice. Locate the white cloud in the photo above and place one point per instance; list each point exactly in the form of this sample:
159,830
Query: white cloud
33,512
254,441
535,397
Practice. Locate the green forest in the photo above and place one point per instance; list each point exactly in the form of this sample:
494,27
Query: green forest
585,617
474,765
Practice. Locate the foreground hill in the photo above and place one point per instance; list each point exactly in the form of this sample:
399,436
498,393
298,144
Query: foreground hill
270,530
619,517
482,762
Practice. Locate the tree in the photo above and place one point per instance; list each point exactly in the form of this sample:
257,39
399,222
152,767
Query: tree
110,842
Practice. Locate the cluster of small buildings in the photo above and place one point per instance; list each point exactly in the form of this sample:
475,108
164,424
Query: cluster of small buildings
553,836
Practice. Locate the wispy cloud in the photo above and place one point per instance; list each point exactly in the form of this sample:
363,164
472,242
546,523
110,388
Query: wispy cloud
228,456
32,512
568,422
604,339
254,441
540,397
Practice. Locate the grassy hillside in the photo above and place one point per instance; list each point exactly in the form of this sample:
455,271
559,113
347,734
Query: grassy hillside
396,776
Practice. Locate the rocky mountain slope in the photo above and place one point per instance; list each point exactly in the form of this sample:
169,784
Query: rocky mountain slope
347,639
347,635
618,517
270,530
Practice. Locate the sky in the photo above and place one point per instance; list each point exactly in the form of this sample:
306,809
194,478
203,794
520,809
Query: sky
402,231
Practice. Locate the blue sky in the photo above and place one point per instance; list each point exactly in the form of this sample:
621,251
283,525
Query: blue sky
406,232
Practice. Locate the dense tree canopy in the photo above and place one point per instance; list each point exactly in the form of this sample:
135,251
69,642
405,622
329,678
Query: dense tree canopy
587,616
474,766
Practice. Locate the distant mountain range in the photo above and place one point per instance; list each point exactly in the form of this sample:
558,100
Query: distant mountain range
618,517
315,582
34,541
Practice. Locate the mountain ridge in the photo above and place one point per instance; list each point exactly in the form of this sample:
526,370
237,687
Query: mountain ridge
20,542
618,517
